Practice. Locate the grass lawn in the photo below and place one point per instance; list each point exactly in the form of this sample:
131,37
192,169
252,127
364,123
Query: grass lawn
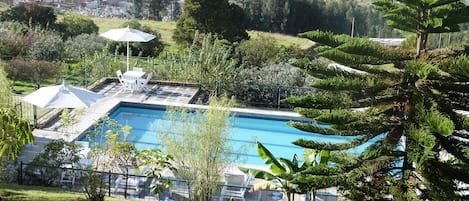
35,193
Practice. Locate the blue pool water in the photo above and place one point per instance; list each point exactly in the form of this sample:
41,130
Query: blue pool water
274,134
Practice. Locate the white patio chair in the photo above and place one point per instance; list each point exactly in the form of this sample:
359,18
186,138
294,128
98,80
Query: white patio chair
143,83
234,187
137,69
68,174
133,182
125,84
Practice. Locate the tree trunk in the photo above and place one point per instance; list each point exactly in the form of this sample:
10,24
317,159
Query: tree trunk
421,43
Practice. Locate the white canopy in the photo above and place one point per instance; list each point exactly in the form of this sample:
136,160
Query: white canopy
62,96
127,35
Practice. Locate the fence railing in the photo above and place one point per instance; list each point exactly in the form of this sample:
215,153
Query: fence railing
132,186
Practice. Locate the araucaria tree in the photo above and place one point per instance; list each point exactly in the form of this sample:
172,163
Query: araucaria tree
218,17
424,17
408,113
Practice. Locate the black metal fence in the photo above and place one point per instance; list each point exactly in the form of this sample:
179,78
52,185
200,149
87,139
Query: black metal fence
132,186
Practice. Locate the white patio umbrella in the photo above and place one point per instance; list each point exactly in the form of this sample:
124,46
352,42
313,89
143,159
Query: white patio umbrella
127,35
62,96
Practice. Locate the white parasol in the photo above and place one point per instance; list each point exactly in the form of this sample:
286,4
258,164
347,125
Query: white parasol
127,35
62,96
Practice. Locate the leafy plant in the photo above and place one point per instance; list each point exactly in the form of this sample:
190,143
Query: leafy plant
158,162
284,171
56,154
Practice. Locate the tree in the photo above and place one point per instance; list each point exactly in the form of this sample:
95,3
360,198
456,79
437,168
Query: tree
16,132
39,71
276,14
73,25
154,9
424,17
31,14
210,16
84,45
283,170
199,144
136,11
49,47
158,163
408,116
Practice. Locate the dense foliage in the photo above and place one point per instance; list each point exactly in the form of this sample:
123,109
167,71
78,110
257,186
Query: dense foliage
217,17
409,115
73,25
31,14
423,17
84,45
50,47
296,16
16,132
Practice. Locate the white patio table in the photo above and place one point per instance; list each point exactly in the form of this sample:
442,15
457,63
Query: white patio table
132,78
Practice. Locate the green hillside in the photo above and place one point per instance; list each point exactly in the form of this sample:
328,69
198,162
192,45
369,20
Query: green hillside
166,31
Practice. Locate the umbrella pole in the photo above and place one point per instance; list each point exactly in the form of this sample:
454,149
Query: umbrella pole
35,117
128,55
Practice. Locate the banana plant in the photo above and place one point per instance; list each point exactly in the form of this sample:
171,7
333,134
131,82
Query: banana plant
283,171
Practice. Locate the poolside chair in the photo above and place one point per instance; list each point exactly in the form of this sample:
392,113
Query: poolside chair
133,182
143,83
127,84
68,174
234,187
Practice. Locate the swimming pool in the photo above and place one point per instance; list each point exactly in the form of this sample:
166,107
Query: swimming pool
273,133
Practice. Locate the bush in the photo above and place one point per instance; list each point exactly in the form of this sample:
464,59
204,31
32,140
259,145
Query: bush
268,85
49,48
56,154
257,52
14,44
17,70
39,71
73,25
275,74
84,45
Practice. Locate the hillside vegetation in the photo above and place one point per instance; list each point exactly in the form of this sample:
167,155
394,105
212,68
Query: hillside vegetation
166,31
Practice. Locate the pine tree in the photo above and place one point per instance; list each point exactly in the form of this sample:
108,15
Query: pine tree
423,17
407,112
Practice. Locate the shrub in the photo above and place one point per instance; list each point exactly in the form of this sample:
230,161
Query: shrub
257,52
73,25
13,44
43,70
17,70
49,47
268,85
56,154
84,45
275,74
